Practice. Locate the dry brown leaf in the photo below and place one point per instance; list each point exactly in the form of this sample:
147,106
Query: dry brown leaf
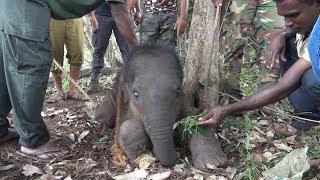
144,161
30,170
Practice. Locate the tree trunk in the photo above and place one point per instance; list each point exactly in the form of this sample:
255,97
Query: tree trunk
203,64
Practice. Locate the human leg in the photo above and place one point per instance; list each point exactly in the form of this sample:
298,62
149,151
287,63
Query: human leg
5,104
167,34
100,42
149,28
122,43
74,45
57,34
27,65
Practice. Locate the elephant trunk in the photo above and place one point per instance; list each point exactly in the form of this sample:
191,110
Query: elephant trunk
160,131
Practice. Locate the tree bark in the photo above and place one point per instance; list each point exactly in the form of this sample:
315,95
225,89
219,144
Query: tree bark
203,63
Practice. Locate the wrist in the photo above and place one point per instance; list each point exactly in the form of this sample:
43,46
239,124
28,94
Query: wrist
182,17
287,32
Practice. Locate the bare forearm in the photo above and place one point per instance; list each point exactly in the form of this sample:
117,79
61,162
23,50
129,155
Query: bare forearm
290,82
259,99
184,8
122,18
131,4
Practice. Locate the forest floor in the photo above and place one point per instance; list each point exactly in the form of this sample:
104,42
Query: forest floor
250,142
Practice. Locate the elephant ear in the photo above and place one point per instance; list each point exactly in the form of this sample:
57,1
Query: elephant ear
125,88
126,94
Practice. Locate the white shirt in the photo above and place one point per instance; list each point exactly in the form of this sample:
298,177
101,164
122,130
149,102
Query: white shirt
302,47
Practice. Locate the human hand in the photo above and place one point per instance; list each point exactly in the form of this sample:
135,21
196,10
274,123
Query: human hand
214,117
180,25
277,48
217,3
94,23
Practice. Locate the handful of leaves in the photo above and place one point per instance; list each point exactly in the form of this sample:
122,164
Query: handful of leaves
189,125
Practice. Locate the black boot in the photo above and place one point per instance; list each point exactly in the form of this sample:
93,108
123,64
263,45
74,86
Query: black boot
94,83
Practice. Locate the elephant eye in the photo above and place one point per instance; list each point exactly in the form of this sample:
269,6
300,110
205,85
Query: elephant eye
135,93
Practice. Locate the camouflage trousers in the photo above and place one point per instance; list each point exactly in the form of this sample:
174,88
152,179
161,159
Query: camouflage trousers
247,28
158,28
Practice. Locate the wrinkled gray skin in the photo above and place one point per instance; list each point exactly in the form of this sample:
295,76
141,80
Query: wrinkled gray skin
153,102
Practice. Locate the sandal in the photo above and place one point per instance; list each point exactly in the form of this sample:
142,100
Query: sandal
76,97
46,155
55,98
8,136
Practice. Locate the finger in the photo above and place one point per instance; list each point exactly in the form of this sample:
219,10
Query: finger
175,26
206,122
179,30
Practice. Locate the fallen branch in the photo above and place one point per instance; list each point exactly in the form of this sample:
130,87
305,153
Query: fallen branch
95,105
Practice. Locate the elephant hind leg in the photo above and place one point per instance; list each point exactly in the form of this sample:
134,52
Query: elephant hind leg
133,139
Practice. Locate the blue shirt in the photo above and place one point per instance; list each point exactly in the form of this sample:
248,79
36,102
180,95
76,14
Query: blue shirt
314,49
103,10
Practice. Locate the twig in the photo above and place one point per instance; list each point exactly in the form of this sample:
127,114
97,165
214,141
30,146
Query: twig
282,113
75,84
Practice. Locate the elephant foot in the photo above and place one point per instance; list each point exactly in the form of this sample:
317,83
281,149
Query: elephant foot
119,158
133,139
206,150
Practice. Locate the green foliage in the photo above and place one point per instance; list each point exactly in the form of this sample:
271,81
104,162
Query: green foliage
314,151
243,122
250,170
241,144
248,81
65,83
189,125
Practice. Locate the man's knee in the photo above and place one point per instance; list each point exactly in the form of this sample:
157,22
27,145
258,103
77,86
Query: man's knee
311,84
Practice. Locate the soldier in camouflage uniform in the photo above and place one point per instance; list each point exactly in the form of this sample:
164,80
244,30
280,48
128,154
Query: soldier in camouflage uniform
248,27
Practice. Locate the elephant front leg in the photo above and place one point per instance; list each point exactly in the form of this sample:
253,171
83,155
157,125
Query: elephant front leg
206,149
133,139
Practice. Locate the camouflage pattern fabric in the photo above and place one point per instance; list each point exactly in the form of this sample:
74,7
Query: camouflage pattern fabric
250,22
247,27
153,6
158,28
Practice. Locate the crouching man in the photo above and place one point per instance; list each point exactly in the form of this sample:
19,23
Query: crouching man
298,83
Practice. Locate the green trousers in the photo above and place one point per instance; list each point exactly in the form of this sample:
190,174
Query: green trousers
24,71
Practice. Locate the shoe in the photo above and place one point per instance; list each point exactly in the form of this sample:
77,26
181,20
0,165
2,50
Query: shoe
94,83
302,125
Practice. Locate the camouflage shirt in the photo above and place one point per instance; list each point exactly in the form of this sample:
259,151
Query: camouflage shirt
153,6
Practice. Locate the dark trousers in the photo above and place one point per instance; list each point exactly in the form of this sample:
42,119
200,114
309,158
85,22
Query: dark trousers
158,28
305,99
100,41
24,71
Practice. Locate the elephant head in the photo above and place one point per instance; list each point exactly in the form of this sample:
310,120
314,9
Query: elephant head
152,83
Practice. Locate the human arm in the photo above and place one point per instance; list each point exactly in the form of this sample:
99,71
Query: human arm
93,20
217,3
131,4
290,82
181,23
277,47
121,16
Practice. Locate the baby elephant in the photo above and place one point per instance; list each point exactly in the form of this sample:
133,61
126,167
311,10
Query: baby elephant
149,100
